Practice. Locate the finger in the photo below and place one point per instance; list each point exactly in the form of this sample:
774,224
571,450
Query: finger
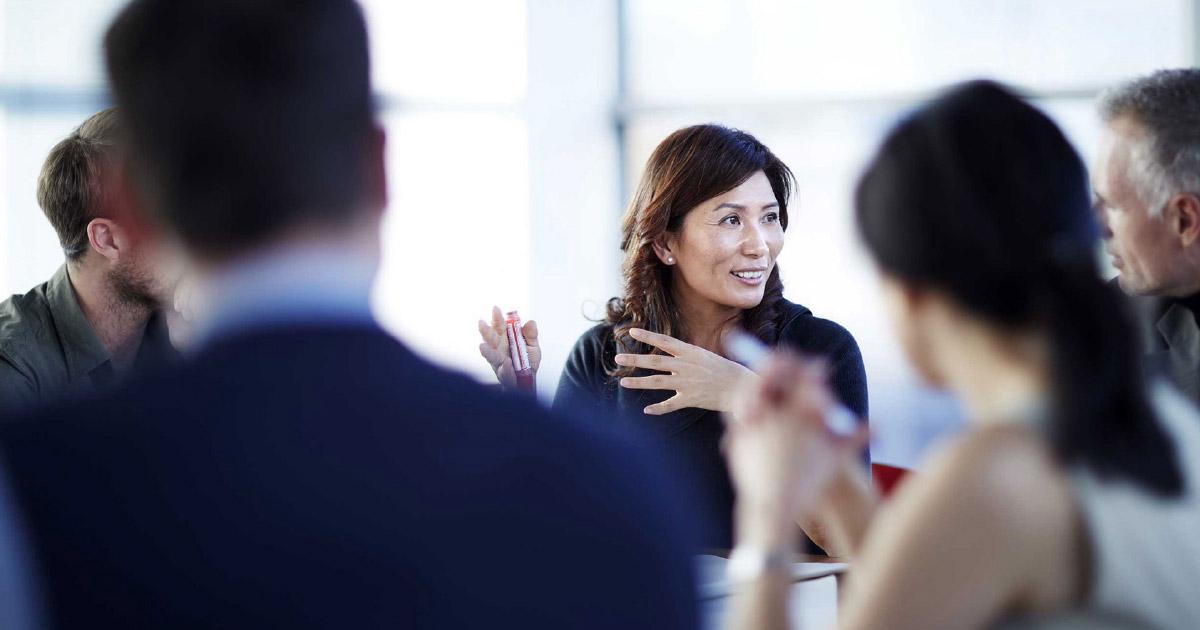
505,372
667,344
782,374
531,333
497,342
748,404
856,442
812,394
658,362
489,336
753,400
658,381
817,370
498,322
667,406
492,355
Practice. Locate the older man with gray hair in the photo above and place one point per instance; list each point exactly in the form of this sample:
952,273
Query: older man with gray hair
1147,184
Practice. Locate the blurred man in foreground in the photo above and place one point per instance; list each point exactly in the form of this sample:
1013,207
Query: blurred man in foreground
305,469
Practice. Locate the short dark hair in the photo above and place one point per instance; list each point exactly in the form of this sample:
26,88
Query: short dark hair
70,187
245,117
978,194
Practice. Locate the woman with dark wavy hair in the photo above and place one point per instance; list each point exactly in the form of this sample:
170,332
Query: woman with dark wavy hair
701,239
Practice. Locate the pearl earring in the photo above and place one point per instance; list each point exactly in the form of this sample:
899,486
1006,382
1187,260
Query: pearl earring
670,260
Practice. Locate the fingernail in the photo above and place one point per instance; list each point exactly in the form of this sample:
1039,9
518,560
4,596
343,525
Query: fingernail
620,359
648,411
623,383
635,332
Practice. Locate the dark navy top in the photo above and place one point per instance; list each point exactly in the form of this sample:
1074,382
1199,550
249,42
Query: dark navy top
690,438
246,489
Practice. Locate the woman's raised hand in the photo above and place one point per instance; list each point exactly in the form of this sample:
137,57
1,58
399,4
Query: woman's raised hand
781,454
698,377
495,347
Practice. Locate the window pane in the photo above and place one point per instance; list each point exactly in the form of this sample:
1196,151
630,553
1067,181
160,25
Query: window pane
745,50
450,50
29,250
456,238
54,42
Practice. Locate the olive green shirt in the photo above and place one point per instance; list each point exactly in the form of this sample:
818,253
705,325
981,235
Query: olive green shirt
48,349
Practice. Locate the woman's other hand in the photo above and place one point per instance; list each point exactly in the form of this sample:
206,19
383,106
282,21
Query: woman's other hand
495,347
781,454
699,378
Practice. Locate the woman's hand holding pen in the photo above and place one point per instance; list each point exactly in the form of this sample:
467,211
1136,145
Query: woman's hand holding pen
782,454
698,377
495,347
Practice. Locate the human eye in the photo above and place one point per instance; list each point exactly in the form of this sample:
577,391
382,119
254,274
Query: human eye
771,217
731,219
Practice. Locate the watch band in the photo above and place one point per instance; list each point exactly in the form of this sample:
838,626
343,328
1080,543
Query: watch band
750,563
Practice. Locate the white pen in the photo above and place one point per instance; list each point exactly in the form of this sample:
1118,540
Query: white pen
750,352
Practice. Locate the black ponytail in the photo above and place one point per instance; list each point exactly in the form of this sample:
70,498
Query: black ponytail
1102,417
980,195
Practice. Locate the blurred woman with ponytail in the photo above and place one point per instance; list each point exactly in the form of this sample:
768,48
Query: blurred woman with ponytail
1072,499
701,239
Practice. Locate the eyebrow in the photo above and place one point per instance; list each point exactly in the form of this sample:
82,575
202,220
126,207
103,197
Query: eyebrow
738,206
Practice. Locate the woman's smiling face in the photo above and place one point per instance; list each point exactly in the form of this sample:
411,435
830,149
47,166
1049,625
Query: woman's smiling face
726,247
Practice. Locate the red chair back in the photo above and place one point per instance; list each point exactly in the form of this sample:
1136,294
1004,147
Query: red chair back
886,478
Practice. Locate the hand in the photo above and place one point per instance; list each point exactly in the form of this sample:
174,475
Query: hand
781,455
698,377
495,347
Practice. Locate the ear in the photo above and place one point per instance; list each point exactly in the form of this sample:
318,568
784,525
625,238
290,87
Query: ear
1184,214
902,297
664,248
376,169
107,238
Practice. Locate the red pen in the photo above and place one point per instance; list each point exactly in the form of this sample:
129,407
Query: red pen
519,352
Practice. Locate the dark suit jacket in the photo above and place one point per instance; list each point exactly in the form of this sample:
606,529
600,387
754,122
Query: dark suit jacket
1170,340
327,477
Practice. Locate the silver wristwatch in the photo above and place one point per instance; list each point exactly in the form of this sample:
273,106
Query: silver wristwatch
748,563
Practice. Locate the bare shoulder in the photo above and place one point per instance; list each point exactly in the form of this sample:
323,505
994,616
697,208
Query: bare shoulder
1001,461
983,531
1006,478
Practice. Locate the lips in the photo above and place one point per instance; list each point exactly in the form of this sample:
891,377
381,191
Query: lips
750,276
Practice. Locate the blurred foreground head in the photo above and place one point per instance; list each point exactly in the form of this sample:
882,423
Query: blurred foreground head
976,210
979,195
250,121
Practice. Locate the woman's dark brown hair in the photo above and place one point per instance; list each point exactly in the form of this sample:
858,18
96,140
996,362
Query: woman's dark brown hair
689,167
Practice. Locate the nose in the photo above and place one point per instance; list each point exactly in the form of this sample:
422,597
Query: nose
1102,222
1102,219
755,243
